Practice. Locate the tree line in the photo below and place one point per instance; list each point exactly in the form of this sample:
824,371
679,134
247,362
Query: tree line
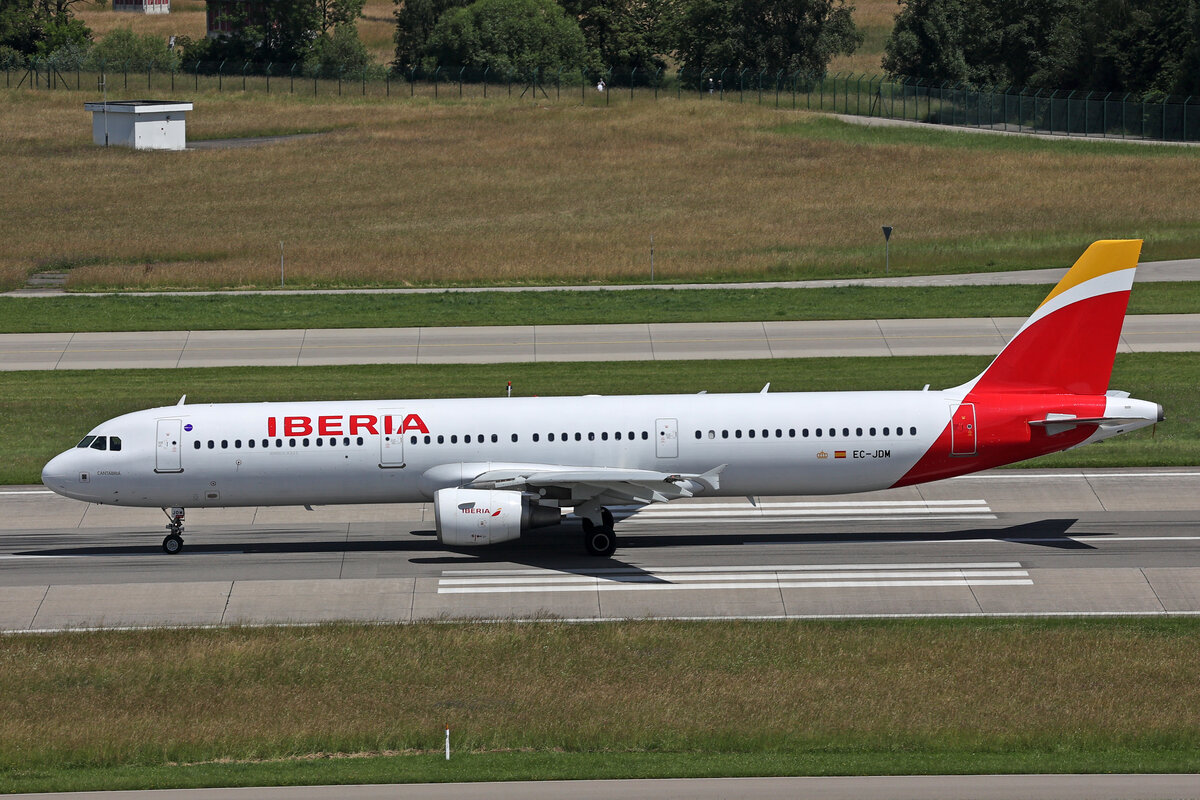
1138,46
626,36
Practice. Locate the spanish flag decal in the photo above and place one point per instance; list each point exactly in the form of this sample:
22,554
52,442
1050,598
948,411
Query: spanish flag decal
839,453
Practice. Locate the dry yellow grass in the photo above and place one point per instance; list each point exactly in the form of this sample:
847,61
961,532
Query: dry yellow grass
412,191
160,696
875,18
187,18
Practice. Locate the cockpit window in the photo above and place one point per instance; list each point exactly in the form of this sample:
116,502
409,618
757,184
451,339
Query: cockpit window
101,443
114,443
86,441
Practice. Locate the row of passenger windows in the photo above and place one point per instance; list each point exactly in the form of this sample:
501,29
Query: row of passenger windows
100,442
817,433
114,443
251,444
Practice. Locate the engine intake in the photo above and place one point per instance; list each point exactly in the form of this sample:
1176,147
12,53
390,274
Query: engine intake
473,517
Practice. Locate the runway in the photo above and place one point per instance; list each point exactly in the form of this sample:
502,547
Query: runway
1007,542
528,343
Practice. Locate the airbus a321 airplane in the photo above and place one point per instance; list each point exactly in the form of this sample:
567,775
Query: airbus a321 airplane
496,467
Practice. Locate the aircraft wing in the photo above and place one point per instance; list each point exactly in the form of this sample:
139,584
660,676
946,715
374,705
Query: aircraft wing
603,485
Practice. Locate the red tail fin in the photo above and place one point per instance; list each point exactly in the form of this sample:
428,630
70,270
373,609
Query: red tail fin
1069,343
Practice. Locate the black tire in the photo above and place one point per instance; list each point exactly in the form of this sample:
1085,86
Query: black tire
599,540
173,544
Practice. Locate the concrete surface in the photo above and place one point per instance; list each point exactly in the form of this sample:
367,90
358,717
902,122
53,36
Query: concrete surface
524,343
999,543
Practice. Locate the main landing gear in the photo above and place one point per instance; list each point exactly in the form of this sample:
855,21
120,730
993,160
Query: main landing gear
600,540
174,541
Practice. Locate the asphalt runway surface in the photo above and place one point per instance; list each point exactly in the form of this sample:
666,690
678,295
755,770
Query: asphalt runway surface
892,787
1007,542
527,343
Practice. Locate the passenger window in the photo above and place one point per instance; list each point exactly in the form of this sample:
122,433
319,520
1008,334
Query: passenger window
237,443
291,443
535,437
749,433
766,433
578,436
591,436
441,439
279,442
412,440
320,442
360,441
345,441
196,444
86,441
495,438
725,434
885,431
699,435
550,437
737,434
211,444
250,443
645,435
817,433
514,437
845,431
604,436
899,431
428,439
858,431
912,431
306,442
779,433
467,439
617,436
454,438
224,444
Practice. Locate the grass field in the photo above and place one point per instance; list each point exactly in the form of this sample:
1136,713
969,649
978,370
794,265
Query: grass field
256,312
402,192
186,707
34,405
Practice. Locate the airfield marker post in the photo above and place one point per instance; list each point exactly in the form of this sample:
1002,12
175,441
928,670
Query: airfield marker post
887,256
447,741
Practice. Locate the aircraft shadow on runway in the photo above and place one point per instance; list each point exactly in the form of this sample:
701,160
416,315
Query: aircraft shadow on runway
559,548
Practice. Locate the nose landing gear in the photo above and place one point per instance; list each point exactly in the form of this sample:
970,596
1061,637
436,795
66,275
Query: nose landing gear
174,541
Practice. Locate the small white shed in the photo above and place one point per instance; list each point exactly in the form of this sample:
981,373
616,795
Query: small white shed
140,124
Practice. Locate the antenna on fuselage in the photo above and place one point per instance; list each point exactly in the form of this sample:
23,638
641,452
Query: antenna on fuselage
182,400
765,388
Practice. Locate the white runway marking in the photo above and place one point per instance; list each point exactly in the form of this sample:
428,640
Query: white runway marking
806,511
804,576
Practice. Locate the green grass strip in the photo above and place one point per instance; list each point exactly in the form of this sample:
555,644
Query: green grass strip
602,765
247,706
259,312
46,412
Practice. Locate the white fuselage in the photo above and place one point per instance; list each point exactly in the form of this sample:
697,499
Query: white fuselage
353,451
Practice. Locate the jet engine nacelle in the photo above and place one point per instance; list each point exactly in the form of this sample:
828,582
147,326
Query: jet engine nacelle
470,517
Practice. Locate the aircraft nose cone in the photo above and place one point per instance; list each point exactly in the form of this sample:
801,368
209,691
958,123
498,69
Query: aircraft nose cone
58,474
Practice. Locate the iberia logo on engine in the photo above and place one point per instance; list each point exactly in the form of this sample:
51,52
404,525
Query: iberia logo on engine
475,510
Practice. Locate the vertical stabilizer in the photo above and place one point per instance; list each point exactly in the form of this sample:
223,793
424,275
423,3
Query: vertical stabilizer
1068,344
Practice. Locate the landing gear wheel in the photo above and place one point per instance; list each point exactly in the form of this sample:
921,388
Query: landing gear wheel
599,540
172,544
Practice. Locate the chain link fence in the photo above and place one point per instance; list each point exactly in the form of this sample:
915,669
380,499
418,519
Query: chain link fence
1025,110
